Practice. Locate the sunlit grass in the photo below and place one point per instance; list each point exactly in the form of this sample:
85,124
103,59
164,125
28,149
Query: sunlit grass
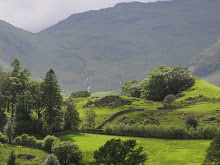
161,152
5,151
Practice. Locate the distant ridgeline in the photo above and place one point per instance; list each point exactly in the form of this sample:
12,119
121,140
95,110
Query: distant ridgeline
100,50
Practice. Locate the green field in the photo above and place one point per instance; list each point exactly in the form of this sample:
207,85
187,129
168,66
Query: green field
164,152
5,151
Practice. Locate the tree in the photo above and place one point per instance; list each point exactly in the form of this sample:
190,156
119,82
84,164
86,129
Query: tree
213,152
131,88
71,118
11,159
191,121
169,99
52,95
51,160
80,94
164,80
89,119
118,152
67,152
36,92
9,130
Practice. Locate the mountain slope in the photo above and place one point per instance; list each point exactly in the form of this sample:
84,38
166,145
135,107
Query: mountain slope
207,65
102,49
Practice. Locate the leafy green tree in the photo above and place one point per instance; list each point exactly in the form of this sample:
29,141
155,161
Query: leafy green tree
9,130
71,118
118,152
11,159
213,152
131,88
67,152
80,94
52,95
18,86
164,80
89,119
36,92
51,160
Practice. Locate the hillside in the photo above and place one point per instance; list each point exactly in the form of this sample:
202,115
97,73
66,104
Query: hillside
207,65
99,50
201,100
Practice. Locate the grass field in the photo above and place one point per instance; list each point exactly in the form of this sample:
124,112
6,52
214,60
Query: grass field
5,151
161,152
201,88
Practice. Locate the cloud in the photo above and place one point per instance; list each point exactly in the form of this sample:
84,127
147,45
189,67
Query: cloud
36,15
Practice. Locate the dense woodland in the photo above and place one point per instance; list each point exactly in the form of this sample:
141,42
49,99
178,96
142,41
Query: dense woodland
30,108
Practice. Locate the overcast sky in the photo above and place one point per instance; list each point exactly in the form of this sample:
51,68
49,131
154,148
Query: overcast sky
36,15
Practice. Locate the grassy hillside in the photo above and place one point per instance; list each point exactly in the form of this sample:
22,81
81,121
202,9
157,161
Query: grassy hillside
207,65
202,100
161,152
101,49
5,151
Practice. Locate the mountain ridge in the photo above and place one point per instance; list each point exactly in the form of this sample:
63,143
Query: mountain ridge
100,50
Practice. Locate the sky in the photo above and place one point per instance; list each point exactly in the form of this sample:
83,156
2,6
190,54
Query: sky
36,15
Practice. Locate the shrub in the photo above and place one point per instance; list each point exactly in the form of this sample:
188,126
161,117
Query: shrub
190,121
3,138
51,160
11,159
26,140
67,152
80,94
48,142
165,132
23,127
169,99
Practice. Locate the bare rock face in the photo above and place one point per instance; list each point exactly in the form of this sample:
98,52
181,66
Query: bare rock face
112,101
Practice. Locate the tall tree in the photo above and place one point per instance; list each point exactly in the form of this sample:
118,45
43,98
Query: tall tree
52,95
71,117
89,119
36,92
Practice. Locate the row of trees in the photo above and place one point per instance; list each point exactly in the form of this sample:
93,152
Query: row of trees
161,82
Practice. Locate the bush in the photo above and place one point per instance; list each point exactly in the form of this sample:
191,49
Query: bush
67,152
3,138
11,159
165,132
169,99
51,160
190,121
26,140
80,94
23,127
48,142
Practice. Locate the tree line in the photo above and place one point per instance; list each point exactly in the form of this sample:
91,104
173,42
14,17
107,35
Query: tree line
34,106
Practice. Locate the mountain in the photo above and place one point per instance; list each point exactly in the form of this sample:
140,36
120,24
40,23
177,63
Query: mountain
207,64
99,50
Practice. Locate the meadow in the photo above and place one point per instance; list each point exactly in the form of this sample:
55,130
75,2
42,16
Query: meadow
5,151
160,152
